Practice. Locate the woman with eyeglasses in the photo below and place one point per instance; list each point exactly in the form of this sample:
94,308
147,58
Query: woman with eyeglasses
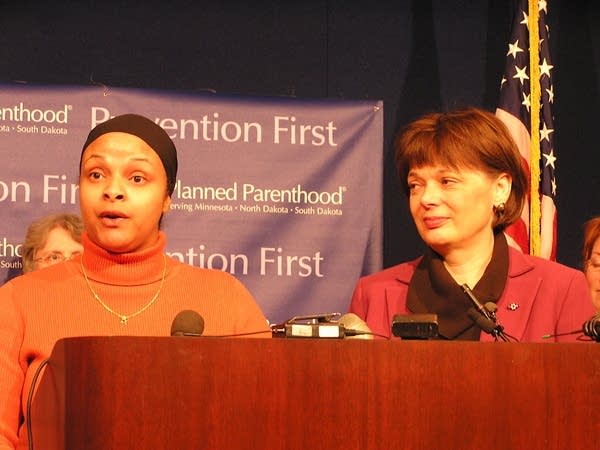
51,239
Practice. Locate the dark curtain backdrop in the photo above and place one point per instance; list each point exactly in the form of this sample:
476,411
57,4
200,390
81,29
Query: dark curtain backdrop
417,56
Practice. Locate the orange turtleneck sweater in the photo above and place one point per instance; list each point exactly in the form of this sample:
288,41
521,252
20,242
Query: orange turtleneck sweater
41,307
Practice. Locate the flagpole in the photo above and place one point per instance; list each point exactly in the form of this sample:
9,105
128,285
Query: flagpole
534,82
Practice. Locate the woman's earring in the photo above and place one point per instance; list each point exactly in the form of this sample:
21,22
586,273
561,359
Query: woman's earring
499,209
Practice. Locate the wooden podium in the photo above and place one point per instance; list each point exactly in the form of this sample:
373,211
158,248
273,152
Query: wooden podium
212,393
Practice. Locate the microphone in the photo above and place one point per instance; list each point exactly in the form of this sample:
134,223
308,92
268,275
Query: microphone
190,323
355,327
484,316
591,328
478,306
187,323
481,321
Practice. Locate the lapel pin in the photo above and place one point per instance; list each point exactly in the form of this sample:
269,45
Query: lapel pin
513,306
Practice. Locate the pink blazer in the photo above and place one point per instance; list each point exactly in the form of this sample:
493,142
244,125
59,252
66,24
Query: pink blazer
540,298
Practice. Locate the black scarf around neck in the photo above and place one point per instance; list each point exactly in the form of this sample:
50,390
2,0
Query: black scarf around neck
433,290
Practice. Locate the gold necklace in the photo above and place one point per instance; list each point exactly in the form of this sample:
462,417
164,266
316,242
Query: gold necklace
124,318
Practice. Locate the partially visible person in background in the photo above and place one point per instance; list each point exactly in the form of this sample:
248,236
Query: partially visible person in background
52,239
591,258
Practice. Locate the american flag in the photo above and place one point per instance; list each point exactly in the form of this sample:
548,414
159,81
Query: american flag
525,80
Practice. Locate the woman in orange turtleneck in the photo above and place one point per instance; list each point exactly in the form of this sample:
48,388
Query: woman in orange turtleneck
123,284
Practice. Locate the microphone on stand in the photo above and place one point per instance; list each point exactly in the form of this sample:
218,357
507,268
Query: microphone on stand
478,306
481,321
187,323
484,316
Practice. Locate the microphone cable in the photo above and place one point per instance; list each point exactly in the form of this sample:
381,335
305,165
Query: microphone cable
589,331
568,333
249,333
37,373
350,333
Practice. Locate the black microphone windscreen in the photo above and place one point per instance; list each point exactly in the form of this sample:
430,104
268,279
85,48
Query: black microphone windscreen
591,328
482,322
187,323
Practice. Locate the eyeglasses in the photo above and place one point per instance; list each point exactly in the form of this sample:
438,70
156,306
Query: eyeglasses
55,257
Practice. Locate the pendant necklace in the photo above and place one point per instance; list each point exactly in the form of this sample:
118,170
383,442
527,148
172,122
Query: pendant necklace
125,317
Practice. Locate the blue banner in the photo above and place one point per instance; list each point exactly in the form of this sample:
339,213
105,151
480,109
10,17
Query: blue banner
285,194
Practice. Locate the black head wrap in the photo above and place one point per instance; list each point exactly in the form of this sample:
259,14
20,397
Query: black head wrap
149,132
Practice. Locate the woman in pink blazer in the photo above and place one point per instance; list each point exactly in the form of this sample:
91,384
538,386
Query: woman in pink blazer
465,184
